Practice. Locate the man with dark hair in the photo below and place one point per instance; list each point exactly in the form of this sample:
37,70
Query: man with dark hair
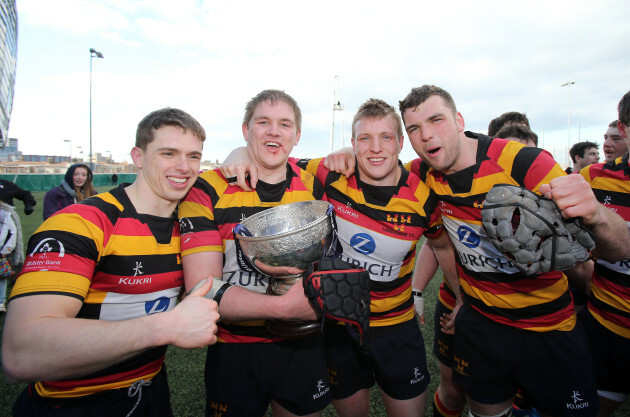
614,143
506,119
534,316
518,133
583,154
607,316
92,313
513,330
252,367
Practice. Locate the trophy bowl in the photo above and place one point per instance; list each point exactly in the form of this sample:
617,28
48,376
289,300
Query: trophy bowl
282,242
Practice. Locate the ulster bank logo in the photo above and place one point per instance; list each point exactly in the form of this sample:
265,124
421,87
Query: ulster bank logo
363,243
399,221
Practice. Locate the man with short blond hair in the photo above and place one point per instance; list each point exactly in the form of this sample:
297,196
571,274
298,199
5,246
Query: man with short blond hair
386,208
251,367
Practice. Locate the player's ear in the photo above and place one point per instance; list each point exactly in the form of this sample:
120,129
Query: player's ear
137,155
460,122
623,129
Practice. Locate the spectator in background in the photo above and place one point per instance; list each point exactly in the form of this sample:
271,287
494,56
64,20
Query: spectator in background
614,145
518,133
11,250
115,178
583,154
76,186
9,191
509,118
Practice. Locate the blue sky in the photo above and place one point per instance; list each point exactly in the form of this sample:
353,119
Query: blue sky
210,57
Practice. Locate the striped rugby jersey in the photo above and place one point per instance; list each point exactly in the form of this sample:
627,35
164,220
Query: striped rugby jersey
490,283
609,301
208,215
120,264
379,228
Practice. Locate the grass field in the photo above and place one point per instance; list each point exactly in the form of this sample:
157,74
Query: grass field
185,366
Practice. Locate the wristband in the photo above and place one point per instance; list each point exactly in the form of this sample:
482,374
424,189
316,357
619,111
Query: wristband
416,293
219,287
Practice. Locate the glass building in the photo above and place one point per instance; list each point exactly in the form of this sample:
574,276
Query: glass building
8,59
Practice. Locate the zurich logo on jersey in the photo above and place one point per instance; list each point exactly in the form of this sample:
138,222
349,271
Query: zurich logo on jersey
363,243
157,306
468,237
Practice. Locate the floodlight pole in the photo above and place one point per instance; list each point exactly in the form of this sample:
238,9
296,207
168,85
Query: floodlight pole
569,84
93,53
337,106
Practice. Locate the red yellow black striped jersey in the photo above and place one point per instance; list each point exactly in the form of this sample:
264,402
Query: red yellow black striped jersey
446,296
490,283
379,227
208,215
609,301
120,264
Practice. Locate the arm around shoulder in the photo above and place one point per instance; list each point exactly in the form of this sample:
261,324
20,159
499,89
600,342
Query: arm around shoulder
239,165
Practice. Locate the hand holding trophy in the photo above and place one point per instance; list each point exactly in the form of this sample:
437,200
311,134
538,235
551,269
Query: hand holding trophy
282,242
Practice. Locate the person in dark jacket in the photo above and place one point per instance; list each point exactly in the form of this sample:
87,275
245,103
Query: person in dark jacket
76,186
9,191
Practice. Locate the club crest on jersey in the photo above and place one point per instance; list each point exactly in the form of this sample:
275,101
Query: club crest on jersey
363,243
468,237
399,221
157,306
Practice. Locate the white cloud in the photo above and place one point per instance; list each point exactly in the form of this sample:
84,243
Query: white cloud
210,57
73,16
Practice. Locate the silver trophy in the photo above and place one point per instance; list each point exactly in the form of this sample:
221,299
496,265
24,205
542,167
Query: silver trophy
282,242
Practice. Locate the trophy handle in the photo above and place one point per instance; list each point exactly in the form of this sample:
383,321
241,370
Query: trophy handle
239,229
